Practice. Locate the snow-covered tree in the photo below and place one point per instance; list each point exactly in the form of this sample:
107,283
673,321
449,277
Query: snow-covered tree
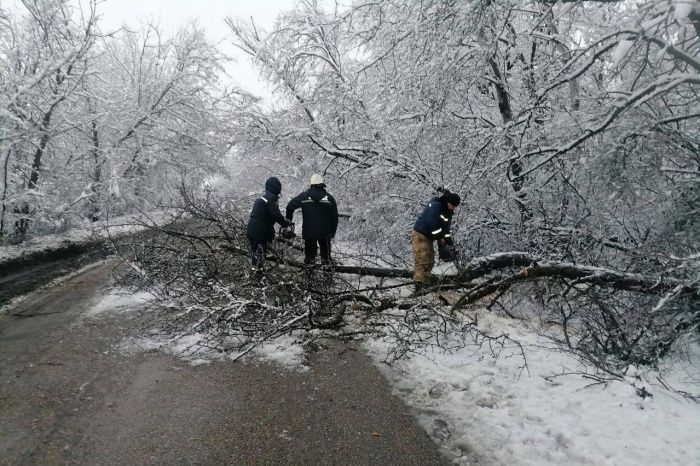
96,124
569,128
45,57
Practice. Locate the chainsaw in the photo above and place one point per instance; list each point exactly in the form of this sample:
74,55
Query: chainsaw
288,232
449,253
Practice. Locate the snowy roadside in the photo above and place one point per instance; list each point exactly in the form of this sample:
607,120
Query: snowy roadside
94,233
491,411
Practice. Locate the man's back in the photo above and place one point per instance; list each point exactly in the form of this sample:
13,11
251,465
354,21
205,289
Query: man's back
320,213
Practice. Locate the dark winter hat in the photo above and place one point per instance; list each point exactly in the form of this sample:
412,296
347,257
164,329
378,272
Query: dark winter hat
273,185
452,198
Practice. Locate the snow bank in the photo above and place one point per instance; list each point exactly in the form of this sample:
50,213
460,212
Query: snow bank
486,411
94,231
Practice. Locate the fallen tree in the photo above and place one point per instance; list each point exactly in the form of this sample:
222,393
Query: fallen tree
536,267
198,270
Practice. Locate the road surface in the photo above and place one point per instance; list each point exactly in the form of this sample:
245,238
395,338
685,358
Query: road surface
69,396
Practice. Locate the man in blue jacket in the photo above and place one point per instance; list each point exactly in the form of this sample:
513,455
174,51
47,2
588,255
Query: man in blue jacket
320,219
433,224
261,225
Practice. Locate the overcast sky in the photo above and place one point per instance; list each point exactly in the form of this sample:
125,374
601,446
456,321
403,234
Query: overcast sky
170,14
210,14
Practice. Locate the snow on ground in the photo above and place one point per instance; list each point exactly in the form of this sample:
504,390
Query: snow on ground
284,351
119,301
486,411
92,231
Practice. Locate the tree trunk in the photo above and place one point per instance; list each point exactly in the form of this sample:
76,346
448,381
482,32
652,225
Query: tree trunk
531,266
94,214
566,55
22,224
4,163
515,166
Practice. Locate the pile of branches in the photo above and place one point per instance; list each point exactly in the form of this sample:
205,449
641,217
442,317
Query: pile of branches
199,269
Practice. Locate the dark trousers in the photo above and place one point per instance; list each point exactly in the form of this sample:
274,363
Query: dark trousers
258,249
311,247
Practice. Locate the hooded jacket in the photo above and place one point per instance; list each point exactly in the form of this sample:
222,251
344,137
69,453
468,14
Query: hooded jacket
320,213
435,220
261,225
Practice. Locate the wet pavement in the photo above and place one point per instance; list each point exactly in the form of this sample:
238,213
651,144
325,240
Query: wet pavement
69,396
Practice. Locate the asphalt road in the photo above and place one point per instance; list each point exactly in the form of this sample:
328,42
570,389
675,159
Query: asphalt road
69,396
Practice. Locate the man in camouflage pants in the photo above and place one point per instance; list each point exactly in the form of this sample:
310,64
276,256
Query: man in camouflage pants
432,224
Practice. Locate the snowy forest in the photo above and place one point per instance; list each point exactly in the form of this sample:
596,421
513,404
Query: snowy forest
569,129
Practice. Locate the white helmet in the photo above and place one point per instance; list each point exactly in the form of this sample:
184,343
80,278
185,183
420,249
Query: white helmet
316,179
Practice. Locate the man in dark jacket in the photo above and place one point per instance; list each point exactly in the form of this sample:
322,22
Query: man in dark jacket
432,224
320,219
261,226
